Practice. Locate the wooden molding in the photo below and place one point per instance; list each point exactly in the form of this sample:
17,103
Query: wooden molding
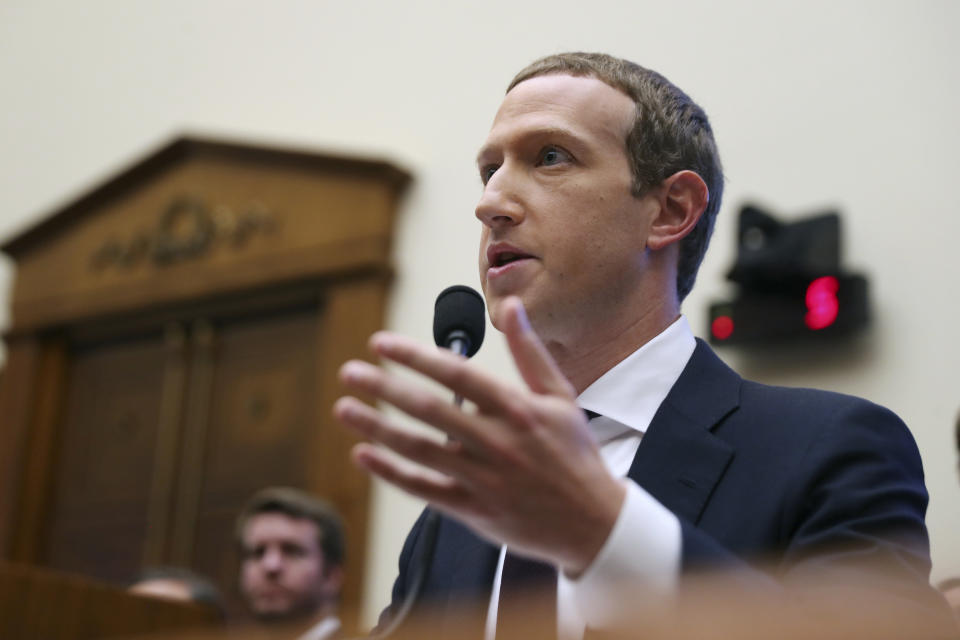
199,218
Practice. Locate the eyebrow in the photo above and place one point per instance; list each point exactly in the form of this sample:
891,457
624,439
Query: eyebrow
537,132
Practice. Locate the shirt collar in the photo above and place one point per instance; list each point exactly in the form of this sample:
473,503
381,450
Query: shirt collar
631,392
323,630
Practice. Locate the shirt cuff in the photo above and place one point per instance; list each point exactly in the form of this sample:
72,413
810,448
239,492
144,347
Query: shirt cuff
642,552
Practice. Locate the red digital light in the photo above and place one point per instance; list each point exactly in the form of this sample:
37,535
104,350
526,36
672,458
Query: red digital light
822,303
722,327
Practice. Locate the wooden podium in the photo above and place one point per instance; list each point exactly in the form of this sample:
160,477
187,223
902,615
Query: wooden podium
35,603
175,339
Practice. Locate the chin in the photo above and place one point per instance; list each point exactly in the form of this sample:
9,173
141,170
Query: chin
493,311
272,610
536,308
269,615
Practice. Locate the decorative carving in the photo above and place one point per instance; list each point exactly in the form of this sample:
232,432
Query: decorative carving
185,231
188,228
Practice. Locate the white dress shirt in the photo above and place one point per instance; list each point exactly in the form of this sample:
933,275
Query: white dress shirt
644,546
327,628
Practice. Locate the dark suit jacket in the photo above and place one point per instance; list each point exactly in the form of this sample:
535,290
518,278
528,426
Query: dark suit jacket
805,479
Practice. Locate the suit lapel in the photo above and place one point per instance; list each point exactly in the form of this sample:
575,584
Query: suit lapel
465,564
475,560
680,460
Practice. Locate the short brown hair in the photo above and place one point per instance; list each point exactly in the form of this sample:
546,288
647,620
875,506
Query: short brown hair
670,133
296,503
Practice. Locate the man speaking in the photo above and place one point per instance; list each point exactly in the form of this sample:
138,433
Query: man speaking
633,454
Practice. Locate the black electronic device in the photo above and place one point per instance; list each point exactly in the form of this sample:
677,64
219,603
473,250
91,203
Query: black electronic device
791,284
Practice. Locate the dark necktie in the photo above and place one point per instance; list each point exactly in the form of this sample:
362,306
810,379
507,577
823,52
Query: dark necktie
528,599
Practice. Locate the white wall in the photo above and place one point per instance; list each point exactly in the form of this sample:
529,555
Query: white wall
815,104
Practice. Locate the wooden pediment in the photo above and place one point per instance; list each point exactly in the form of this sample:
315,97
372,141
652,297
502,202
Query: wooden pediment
199,217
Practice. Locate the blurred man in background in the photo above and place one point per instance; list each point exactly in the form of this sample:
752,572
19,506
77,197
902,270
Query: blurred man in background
291,544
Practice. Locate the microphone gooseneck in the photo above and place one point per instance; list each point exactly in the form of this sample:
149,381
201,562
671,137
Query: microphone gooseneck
459,324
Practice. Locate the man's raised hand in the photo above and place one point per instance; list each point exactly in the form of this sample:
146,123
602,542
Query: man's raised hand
522,469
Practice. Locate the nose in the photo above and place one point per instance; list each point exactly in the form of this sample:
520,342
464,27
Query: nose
500,205
272,560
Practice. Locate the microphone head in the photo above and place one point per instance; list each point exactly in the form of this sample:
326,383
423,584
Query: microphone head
459,315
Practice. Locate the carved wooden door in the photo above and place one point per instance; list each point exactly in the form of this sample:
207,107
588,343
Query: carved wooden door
167,432
111,422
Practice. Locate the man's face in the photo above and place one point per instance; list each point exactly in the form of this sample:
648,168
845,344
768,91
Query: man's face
283,574
561,228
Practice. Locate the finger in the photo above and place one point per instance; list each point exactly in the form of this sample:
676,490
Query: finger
416,402
445,457
482,436
441,491
536,365
452,371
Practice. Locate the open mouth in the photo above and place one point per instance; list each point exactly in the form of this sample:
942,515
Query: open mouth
507,257
503,254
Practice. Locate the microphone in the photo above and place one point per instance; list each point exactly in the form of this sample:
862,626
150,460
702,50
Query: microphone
459,320
459,323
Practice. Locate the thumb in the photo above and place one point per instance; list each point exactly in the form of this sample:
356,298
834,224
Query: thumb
536,365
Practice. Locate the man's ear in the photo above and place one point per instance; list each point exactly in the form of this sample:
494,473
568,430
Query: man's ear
683,197
333,580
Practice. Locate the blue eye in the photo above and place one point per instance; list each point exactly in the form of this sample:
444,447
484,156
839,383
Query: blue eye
487,172
553,155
